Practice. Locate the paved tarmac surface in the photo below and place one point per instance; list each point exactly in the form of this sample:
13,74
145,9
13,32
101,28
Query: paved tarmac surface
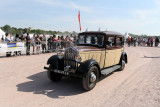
24,83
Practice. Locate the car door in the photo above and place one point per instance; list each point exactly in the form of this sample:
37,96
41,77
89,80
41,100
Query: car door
110,52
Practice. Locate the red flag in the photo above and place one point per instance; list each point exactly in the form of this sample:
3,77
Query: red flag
79,20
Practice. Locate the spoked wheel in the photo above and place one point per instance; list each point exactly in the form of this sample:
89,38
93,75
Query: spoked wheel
91,78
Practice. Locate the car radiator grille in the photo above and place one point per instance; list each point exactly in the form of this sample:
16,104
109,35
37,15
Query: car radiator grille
69,58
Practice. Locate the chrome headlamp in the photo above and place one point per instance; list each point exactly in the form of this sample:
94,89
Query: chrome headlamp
60,55
78,58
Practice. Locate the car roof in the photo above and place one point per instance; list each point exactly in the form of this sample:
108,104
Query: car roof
107,33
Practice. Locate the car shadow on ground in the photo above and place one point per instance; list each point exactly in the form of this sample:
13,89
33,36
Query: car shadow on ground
150,57
40,84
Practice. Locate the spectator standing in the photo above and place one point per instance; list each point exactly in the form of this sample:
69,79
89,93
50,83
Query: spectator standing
54,38
67,38
55,43
75,40
44,43
16,39
7,38
59,42
148,43
38,42
134,41
33,39
62,42
71,38
144,41
139,41
28,42
151,41
11,38
129,41
67,41
22,38
156,42
49,43
2,39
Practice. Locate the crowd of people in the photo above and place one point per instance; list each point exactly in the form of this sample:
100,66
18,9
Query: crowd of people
41,43
143,41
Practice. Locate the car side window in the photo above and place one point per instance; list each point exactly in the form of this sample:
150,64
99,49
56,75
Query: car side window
111,42
82,39
119,41
100,40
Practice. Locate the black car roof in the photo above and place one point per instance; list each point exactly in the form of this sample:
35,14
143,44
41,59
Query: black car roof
107,33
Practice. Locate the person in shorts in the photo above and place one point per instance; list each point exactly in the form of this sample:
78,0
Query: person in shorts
33,39
38,42
44,42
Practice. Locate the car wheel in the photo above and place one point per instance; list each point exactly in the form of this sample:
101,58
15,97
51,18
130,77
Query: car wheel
52,75
122,66
91,78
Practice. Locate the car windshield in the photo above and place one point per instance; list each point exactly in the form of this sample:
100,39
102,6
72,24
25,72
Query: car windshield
96,40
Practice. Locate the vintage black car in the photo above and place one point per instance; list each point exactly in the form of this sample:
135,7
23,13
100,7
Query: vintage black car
96,54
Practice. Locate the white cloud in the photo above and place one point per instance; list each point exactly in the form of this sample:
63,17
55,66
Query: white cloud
70,5
81,8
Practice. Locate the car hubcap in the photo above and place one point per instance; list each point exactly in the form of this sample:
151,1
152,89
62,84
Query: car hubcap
92,77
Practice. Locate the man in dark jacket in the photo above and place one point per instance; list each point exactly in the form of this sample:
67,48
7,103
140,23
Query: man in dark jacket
156,42
28,41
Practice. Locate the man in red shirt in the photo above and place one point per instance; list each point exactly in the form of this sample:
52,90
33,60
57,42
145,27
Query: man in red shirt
129,41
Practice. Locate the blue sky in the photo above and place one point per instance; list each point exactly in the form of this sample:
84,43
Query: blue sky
134,16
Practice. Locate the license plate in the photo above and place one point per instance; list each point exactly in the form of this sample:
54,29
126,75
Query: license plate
62,72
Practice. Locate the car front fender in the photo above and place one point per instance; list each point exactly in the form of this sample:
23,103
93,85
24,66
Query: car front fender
85,66
124,57
56,62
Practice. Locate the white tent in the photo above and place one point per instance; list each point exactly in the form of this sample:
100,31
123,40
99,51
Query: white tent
126,35
2,33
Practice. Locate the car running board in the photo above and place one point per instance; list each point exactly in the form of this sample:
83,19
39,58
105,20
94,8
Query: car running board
110,70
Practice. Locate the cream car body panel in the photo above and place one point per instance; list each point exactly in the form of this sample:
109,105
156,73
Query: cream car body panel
118,53
110,58
95,55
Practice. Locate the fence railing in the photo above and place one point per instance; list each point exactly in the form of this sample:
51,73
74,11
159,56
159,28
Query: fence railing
37,48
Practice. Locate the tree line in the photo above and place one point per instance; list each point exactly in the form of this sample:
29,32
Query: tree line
14,31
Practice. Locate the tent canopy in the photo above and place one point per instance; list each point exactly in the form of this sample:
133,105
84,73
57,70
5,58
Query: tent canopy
2,33
126,35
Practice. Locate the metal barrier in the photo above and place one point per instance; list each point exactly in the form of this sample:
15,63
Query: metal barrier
60,45
47,48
